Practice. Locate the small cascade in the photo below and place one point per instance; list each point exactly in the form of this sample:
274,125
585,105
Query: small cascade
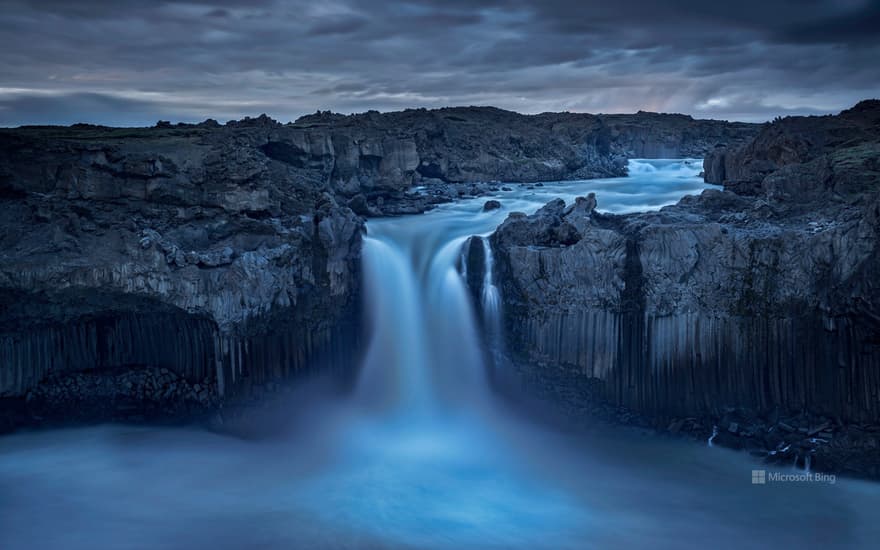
476,271
713,436
670,168
463,262
455,344
490,295
640,167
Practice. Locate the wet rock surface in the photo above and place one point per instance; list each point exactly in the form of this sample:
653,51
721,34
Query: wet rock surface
491,205
744,309
122,395
143,395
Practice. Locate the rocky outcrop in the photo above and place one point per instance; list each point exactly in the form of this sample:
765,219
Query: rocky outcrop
657,135
755,301
798,150
134,395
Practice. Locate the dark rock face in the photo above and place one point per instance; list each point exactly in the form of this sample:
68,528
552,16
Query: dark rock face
792,144
147,394
229,255
655,135
447,153
755,299
187,249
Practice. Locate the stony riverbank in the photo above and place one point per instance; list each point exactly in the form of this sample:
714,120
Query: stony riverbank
782,437
144,395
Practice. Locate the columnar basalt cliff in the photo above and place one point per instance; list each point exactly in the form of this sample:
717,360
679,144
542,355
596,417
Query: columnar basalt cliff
187,250
229,255
735,307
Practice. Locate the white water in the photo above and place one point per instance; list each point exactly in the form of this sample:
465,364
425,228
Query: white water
490,300
712,437
422,455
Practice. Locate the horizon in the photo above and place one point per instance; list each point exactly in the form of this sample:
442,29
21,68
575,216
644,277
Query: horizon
222,122
131,64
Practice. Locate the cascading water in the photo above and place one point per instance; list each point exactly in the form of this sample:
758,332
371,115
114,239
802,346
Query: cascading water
490,298
669,168
392,370
421,456
425,348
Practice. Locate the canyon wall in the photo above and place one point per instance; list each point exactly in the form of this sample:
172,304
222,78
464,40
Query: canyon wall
468,144
216,260
761,299
183,249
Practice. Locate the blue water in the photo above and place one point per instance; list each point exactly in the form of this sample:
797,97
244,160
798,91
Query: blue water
421,455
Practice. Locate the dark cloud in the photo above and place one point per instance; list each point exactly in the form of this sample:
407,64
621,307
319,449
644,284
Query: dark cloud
112,62
341,24
218,12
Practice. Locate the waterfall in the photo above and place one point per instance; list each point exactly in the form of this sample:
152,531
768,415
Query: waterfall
396,326
426,344
424,351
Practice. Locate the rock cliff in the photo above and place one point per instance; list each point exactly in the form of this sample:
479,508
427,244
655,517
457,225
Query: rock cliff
807,152
758,300
184,249
229,255
406,161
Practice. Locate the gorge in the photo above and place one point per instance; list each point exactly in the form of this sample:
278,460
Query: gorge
186,273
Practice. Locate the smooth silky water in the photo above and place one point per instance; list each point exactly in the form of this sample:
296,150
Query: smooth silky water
421,454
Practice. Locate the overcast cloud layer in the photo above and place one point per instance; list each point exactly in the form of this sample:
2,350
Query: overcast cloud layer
133,62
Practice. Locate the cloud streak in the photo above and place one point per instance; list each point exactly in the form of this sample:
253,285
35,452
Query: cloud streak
111,62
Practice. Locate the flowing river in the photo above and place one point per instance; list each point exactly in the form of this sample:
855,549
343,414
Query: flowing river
421,455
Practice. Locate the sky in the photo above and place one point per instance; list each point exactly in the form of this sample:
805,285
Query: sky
134,62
